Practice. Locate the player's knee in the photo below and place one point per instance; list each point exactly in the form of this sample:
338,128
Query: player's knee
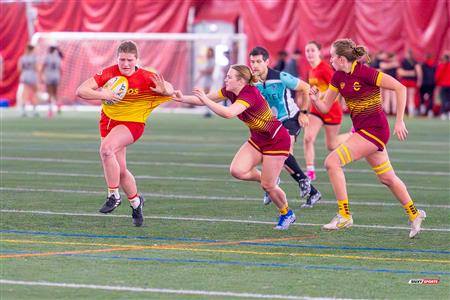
106,152
332,162
236,172
331,145
388,180
309,139
268,186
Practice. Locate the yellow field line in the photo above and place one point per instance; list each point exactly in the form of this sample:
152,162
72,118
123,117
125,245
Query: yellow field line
181,247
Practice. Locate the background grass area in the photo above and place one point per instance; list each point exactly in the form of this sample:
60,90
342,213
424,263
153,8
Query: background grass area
205,231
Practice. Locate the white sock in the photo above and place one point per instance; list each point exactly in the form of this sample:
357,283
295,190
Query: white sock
310,168
114,192
135,202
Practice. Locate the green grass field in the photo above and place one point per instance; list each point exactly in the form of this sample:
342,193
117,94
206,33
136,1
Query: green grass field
206,235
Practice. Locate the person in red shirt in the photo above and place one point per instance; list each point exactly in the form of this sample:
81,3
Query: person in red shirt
269,141
443,83
360,87
319,75
123,120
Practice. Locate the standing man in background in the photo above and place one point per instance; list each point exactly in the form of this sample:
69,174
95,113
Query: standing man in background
275,87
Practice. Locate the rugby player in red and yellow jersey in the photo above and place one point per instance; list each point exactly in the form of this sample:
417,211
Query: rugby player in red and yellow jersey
269,141
123,122
360,87
320,76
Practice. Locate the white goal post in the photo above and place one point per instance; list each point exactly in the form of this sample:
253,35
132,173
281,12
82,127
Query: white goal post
178,56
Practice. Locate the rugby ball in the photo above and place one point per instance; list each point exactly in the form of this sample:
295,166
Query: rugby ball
119,85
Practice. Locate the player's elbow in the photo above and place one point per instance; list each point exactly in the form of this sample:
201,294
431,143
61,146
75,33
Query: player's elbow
228,115
79,92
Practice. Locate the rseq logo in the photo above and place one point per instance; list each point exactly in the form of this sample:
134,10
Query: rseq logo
423,281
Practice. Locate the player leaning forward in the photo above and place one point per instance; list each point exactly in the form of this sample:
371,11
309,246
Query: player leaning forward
360,86
123,119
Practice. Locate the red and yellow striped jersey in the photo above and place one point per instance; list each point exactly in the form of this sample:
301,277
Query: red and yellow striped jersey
139,100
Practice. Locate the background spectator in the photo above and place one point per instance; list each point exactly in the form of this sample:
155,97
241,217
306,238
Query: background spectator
281,61
389,66
410,75
443,84
428,85
29,80
51,72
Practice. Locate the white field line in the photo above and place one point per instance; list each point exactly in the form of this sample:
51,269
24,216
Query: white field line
179,139
195,165
154,290
203,197
172,218
204,179
196,154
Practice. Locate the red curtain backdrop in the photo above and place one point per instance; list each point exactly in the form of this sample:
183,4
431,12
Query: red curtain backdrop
423,25
13,40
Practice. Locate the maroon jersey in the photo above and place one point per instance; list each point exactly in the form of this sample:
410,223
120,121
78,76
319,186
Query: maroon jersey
258,115
361,91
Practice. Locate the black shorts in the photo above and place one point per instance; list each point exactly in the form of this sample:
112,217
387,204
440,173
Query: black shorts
292,125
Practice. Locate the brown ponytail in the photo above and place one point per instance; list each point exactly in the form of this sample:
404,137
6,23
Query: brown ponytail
245,73
348,49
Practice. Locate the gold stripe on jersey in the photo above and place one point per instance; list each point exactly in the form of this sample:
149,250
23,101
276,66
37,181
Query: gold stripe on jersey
374,137
365,104
243,102
384,167
262,120
219,92
353,66
378,81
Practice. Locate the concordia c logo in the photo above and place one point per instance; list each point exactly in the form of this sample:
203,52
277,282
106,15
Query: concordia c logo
356,86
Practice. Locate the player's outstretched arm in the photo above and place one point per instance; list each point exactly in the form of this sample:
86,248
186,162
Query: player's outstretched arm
188,99
211,99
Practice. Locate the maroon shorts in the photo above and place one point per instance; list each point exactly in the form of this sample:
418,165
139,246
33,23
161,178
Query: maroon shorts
279,145
106,125
333,117
379,136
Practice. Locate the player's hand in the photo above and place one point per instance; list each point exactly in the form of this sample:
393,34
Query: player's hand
200,94
400,130
303,120
178,96
314,93
160,87
110,97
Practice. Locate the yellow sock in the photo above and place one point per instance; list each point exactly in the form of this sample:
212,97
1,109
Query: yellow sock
284,210
343,208
411,210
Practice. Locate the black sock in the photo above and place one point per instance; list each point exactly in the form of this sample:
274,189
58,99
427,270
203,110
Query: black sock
292,164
